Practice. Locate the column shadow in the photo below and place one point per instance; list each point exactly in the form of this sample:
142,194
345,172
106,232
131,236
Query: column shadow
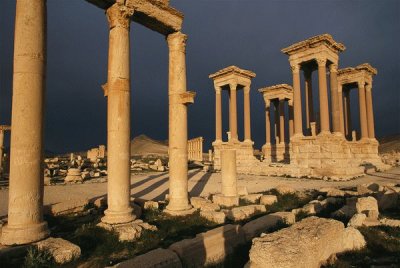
200,185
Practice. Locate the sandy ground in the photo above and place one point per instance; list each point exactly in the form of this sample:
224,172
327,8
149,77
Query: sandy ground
155,186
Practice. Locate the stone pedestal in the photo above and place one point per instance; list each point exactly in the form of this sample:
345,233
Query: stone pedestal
25,206
74,175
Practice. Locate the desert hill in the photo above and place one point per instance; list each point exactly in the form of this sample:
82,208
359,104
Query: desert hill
143,145
389,144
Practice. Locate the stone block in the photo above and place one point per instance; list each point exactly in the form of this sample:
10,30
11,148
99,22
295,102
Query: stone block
365,204
226,201
357,220
285,190
242,190
67,207
157,258
209,207
150,205
251,198
268,200
245,212
209,247
128,231
196,202
62,250
255,227
214,216
388,200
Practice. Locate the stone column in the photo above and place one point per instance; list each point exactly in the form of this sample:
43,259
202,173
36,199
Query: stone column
363,110
323,96
298,125
309,97
25,204
267,123
118,117
233,111
247,125
341,112
218,114
334,98
178,158
277,123
282,121
370,112
228,172
347,114
291,116
1,150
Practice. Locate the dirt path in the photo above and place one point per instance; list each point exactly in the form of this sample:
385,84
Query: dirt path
155,186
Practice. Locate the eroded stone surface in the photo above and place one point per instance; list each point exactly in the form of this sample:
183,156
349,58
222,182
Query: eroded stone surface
157,258
244,212
62,250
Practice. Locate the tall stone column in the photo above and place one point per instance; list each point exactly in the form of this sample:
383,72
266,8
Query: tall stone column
334,98
363,110
309,97
277,123
347,114
233,111
323,96
228,172
282,121
341,112
25,203
1,150
298,125
370,112
118,117
247,125
267,123
178,158
218,114
291,116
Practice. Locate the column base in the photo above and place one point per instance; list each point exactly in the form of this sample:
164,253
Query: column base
324,133
226,201
117,217
189,211
19,235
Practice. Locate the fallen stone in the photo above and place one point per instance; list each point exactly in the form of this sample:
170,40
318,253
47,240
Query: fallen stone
209,247
225,201
214,216
390,222
157,258
285,190
67,207
304,244
73,175
311,208
388,200
332,192
100,202
209,207
62,250
245,212
366,204
357,220
268,200
258,226
251,198
196,202
128,231
150,205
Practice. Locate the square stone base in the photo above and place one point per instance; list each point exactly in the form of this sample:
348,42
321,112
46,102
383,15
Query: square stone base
128,231
226,201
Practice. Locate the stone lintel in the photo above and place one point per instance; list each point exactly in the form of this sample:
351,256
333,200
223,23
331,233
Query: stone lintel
325,39
350,76
280,92
154,14
232,74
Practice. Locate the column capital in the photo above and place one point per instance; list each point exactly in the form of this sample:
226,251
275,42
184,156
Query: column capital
361,84
368,87
218,89
321,61
119,16
290,102
233,86
333,68
295,67
267,103
339,88
177,41
246,89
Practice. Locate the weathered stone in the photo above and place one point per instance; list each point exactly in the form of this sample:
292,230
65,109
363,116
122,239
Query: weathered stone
214,216
256,227
128,231
62,250
225,201
268,200
150,205
365,204
311,208
388,200
242,190
241,213
196,202
357,220
157,258
251,198
332,192
67,207
390,222
73,175
209,247
304,244
209,207
285,190
100,202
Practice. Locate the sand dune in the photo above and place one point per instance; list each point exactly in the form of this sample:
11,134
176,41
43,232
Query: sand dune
143,145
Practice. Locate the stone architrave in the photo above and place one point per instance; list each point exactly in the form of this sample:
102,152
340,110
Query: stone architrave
118,117
25,205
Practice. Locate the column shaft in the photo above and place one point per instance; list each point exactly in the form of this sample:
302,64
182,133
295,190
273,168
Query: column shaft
334,98
341,111
247,124
1,151
347,114
267,125
218,114
282,121
291,116
233,111
298,125
323,96
277,123
118,117
309,97
228,172
25,203
370,113
363,110
178,158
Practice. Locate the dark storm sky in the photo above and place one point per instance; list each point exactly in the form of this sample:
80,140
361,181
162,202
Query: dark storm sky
246,33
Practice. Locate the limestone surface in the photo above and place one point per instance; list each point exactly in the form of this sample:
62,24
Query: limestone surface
62,250
304,244
157,258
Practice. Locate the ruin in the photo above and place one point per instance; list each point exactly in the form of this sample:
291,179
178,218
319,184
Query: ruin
195,149
3,129
96,153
